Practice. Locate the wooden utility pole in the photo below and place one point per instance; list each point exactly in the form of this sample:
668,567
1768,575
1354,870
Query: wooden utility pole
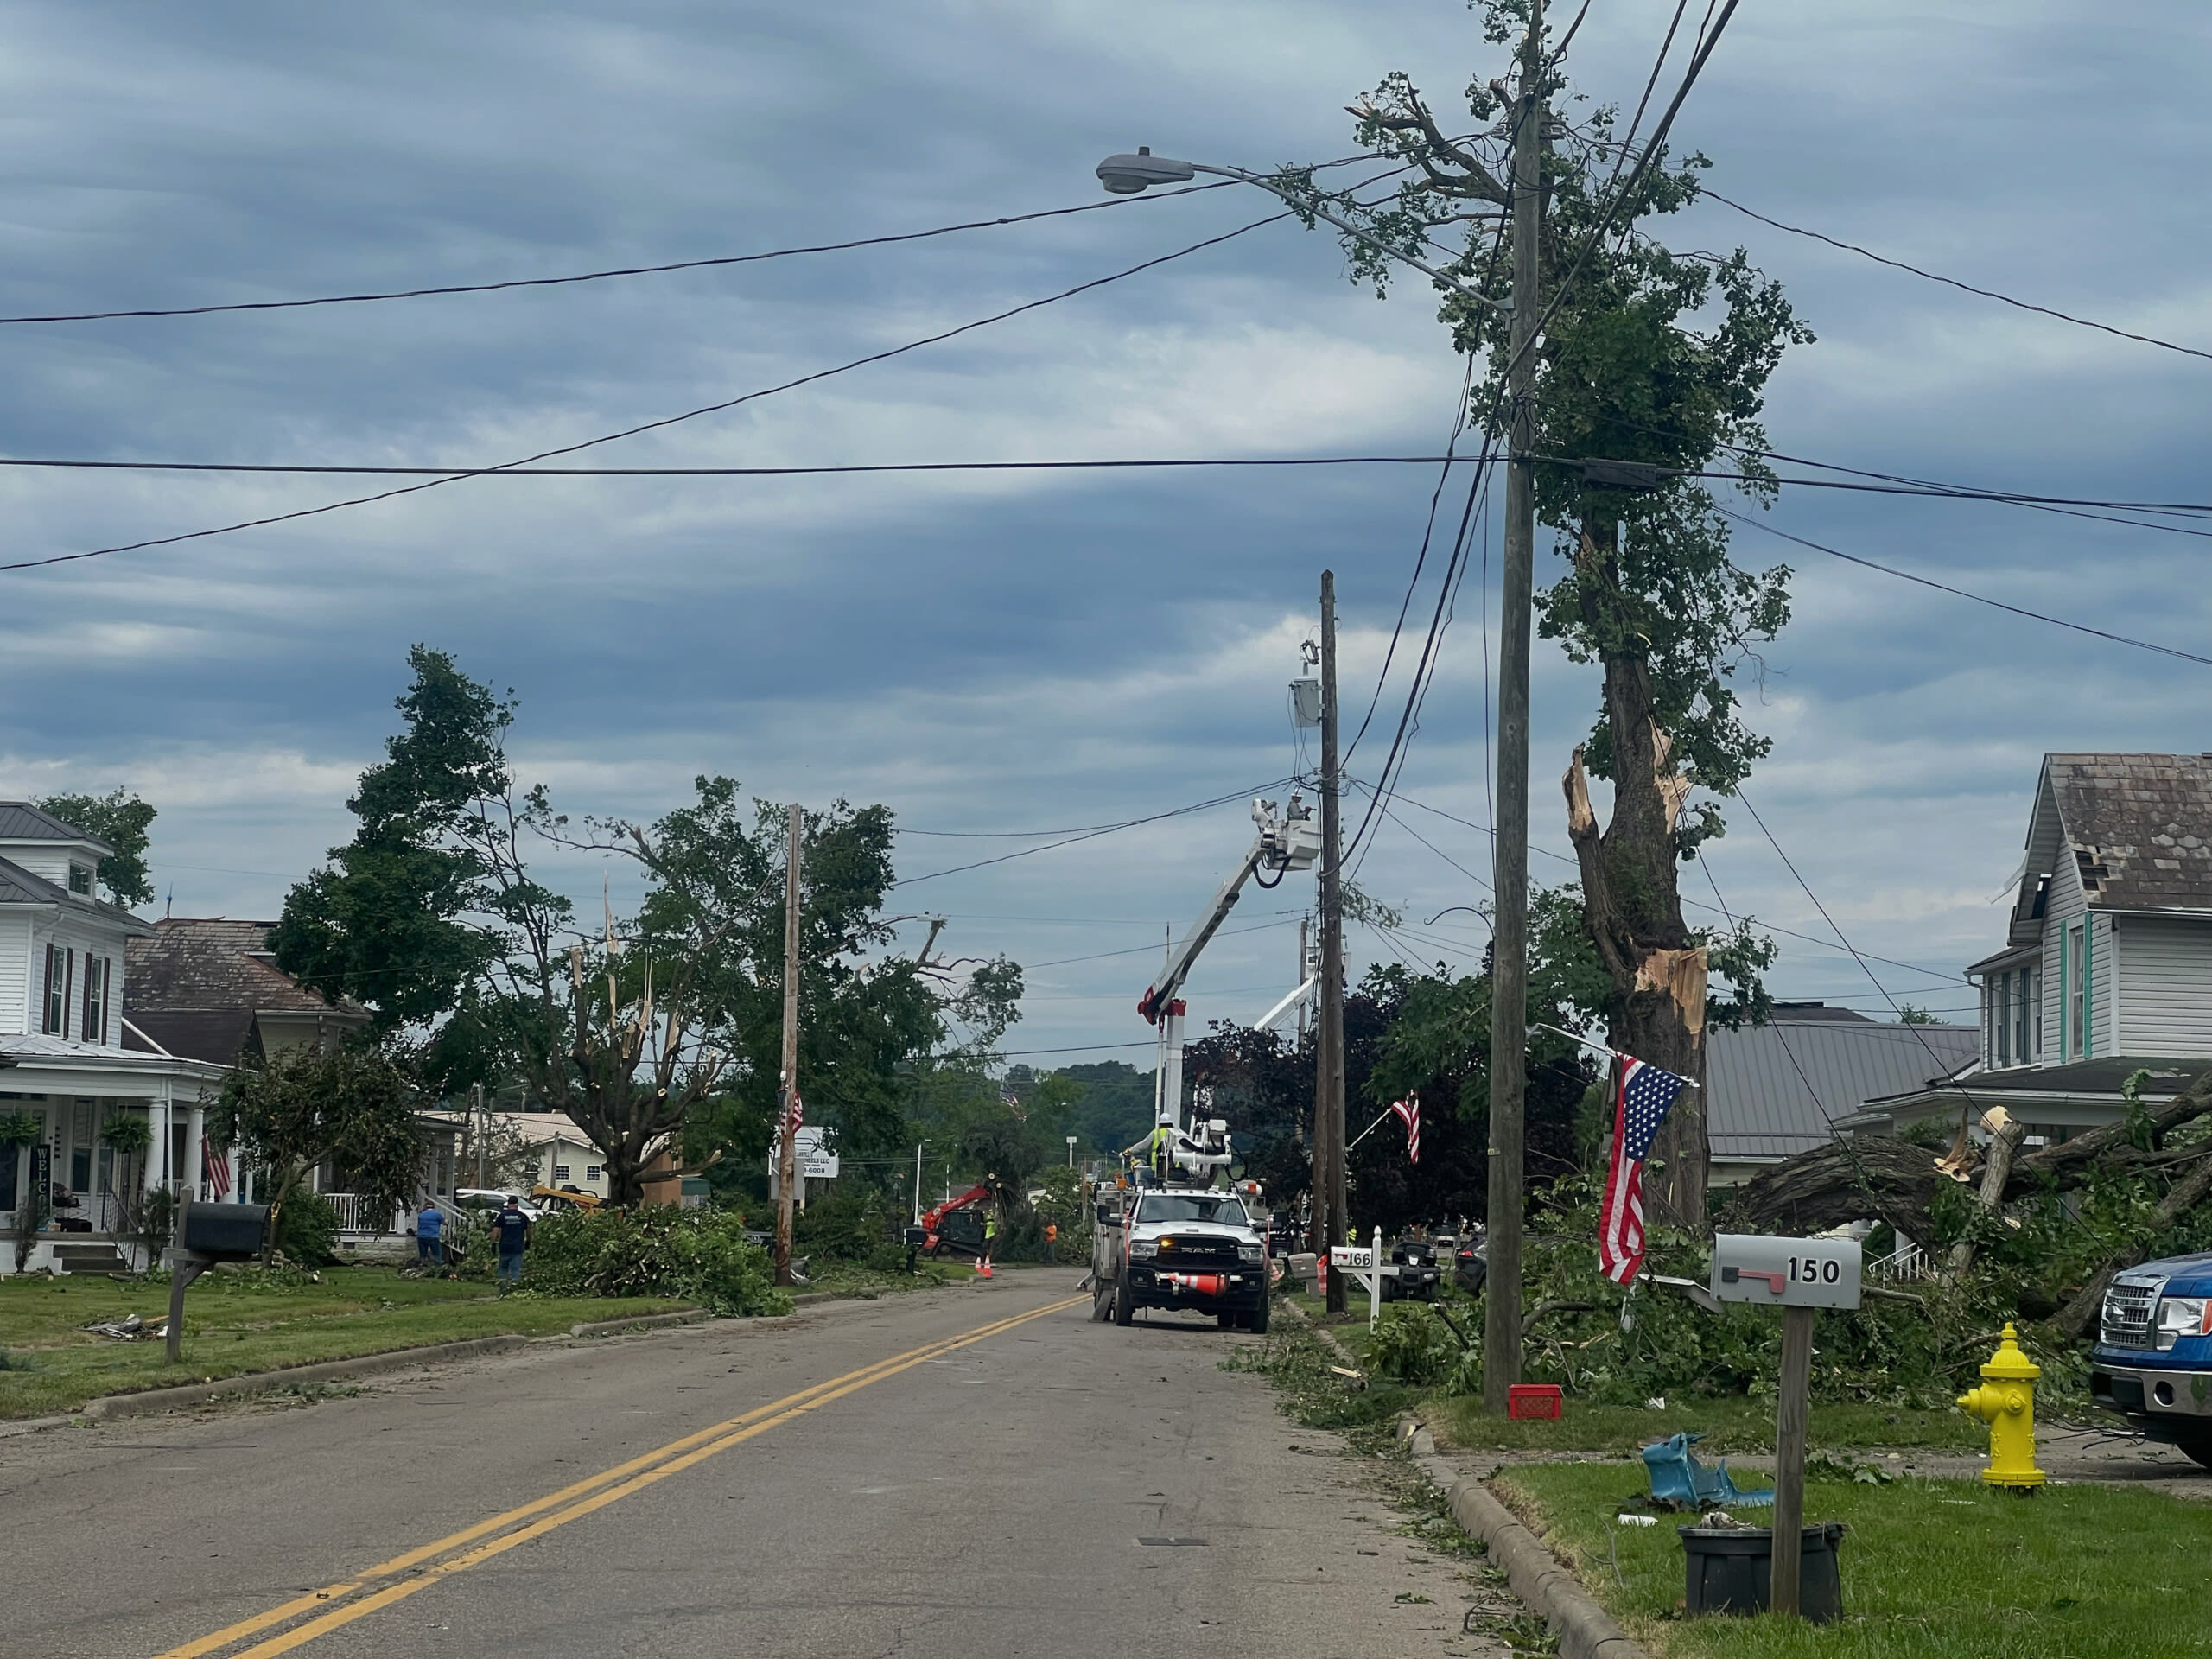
1509,1018
786,1131
1329,1189
1792,1409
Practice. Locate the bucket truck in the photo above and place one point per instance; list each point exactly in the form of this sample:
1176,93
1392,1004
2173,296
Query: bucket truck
1171,1242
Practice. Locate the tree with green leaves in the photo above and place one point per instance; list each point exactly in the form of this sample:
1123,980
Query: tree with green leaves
351,1106
122,820
644,1030
1648,356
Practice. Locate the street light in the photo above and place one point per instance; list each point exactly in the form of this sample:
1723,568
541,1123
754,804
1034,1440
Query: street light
1129,175
1071,1151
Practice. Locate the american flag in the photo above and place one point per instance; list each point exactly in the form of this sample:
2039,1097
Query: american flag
1645,1095
794,1114
1408,1111
1010,1097
217,1166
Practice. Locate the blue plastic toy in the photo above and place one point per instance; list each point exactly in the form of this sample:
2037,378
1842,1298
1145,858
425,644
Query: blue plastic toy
1680,1481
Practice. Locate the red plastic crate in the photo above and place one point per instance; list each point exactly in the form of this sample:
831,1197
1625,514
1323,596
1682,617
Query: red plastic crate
1534,1400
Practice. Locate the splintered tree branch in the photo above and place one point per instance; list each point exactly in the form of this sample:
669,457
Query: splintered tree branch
2005,1133
1590,859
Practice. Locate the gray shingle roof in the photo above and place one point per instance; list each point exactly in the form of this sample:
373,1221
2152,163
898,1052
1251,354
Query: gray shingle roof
2140,826
1774,1088
21,821
196,964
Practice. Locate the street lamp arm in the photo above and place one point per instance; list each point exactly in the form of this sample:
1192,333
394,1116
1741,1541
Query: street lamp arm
1128,175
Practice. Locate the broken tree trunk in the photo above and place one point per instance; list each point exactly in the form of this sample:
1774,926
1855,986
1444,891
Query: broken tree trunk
1852,1180
1655,1008
2005,1133
1863,1176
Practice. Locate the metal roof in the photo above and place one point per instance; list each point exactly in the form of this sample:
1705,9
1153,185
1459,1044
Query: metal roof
1774,1089
21,821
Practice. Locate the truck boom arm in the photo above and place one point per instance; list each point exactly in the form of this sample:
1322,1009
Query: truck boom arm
1285,842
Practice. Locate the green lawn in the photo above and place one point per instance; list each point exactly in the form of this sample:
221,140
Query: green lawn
1734,1425
1731,1423
1931,1570
236,1322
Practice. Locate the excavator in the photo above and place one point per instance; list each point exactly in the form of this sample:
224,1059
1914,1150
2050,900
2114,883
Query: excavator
955,1225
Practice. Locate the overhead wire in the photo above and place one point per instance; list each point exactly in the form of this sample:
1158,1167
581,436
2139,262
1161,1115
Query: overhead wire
607,274
1091,835
672,420
1954,282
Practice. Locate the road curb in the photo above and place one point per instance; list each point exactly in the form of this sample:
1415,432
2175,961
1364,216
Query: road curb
1585,1630
636,1322
148,1400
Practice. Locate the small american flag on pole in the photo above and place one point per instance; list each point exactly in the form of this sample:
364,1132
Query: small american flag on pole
794,1113
216,1165
1645,1094
1408,1111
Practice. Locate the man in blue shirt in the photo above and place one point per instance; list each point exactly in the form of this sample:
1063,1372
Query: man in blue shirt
511,1228
430,1234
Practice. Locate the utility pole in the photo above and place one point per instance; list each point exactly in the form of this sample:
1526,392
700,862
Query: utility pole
1305,970
1329,1082
788,1149
1508,1017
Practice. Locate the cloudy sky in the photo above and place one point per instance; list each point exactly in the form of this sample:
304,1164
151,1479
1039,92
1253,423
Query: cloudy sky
1026,652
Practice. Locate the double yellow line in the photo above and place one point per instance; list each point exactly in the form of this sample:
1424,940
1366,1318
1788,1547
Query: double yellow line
379,1586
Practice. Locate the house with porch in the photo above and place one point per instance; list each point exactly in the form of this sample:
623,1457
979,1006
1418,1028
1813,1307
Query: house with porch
65,1065
2107,964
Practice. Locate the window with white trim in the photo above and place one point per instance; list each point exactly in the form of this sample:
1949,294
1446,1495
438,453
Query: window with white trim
93,1026
559,1172
591,1172
60,963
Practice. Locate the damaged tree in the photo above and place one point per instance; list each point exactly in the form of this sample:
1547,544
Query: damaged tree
1879,1176
1650,358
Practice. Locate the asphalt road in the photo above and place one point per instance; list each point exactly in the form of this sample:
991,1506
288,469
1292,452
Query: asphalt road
968,1472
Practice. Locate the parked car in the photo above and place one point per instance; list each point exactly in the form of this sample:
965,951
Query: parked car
486,1199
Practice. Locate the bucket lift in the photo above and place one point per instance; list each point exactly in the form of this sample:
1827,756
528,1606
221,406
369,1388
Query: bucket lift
1286,840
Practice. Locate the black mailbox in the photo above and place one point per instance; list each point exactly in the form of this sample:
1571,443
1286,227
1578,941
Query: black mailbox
224,1232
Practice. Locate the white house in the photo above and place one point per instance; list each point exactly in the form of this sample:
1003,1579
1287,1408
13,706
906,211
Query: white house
2107,965
63,1058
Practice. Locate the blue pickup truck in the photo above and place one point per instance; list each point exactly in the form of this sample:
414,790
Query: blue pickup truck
2153,1362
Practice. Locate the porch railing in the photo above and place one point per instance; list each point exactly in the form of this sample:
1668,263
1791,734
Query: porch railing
354,1217
1908,1261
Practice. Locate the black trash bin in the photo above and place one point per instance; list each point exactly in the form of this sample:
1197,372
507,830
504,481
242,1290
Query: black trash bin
1731,1570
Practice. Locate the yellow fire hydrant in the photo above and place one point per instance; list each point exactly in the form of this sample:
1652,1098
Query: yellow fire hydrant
2006,1402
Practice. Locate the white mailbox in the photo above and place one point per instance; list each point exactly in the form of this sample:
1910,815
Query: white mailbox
1786,1272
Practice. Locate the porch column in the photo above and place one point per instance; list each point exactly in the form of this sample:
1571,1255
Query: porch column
195,1156
157,1126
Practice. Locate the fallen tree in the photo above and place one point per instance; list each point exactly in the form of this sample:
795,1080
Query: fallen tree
1882,1178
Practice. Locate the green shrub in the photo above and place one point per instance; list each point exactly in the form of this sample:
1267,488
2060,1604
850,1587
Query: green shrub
846,1226
307,1230
702,1255
1412,1345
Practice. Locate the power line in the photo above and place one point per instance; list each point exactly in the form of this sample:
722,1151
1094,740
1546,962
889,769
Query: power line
1942,1068
1826,944
1952,281
1094,833
1962,593
1140,949
666,421
603,275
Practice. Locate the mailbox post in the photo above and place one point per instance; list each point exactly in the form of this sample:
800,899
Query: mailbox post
1800,1277
1367,1266
207,1234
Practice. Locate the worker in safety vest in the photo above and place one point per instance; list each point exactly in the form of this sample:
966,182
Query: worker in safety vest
1163,1147
990,1244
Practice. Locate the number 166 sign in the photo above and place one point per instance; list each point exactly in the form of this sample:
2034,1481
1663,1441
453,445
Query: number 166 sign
1786,1272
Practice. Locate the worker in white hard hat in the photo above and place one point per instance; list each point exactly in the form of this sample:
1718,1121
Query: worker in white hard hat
1163,1147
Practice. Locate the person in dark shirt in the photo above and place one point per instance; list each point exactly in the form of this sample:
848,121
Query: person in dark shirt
511,1228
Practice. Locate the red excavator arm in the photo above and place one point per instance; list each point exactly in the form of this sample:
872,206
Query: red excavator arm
975,1194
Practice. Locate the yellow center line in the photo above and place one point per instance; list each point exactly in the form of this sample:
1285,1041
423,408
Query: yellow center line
582,1498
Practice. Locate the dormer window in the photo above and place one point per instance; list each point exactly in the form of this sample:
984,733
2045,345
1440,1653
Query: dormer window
81,879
